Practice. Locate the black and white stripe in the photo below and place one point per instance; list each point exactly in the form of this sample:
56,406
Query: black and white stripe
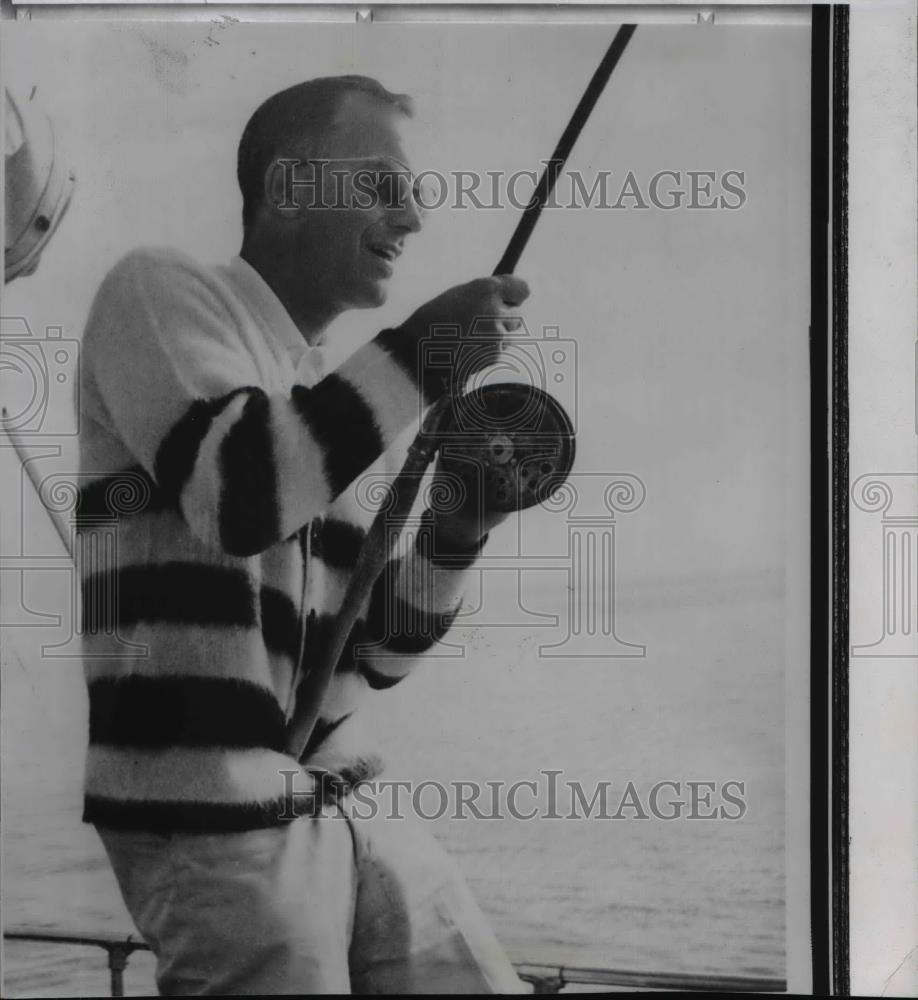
187,399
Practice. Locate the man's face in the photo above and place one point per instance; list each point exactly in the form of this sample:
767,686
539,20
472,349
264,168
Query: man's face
346,253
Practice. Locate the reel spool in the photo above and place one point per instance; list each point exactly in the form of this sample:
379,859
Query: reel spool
512,444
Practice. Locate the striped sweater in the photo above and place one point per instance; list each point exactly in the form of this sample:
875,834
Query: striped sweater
230,471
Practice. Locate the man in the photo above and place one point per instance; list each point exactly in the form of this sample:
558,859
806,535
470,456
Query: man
203,393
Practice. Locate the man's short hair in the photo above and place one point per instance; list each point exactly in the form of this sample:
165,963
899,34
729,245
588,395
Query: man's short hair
295,122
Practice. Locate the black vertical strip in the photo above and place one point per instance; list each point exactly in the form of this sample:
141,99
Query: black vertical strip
840,633
178,452
820,519
249,500
344,426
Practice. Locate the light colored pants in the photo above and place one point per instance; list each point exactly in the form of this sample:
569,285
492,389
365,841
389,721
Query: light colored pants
322,904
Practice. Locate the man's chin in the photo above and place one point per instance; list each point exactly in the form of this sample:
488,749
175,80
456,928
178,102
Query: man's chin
372,296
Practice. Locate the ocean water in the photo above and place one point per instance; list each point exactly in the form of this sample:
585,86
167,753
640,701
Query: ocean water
705,703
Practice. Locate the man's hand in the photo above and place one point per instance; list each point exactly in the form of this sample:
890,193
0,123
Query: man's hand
484,311
465,527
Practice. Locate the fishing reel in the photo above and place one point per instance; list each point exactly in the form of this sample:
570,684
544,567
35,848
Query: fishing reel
511,444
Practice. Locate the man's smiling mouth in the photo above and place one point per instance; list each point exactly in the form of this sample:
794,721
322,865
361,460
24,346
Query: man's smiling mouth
385,251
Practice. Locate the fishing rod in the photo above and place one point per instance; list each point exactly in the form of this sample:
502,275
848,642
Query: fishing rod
513,444
25,460
569,136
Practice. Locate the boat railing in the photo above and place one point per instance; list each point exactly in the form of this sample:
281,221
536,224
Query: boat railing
544,978
119,947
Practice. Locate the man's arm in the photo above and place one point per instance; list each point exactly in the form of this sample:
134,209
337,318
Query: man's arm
246,463
417,597
415,601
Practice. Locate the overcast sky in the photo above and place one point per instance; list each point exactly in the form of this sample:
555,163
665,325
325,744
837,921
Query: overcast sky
690,326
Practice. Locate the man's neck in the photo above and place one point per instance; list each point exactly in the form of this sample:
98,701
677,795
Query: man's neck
310,317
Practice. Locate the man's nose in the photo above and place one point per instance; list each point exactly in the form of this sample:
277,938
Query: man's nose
407,214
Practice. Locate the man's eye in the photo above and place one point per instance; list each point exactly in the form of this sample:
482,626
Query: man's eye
392,186
425,193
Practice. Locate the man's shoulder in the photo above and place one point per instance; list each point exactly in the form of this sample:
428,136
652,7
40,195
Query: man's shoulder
150,283
152,265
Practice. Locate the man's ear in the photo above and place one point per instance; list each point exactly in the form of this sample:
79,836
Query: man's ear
286,188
